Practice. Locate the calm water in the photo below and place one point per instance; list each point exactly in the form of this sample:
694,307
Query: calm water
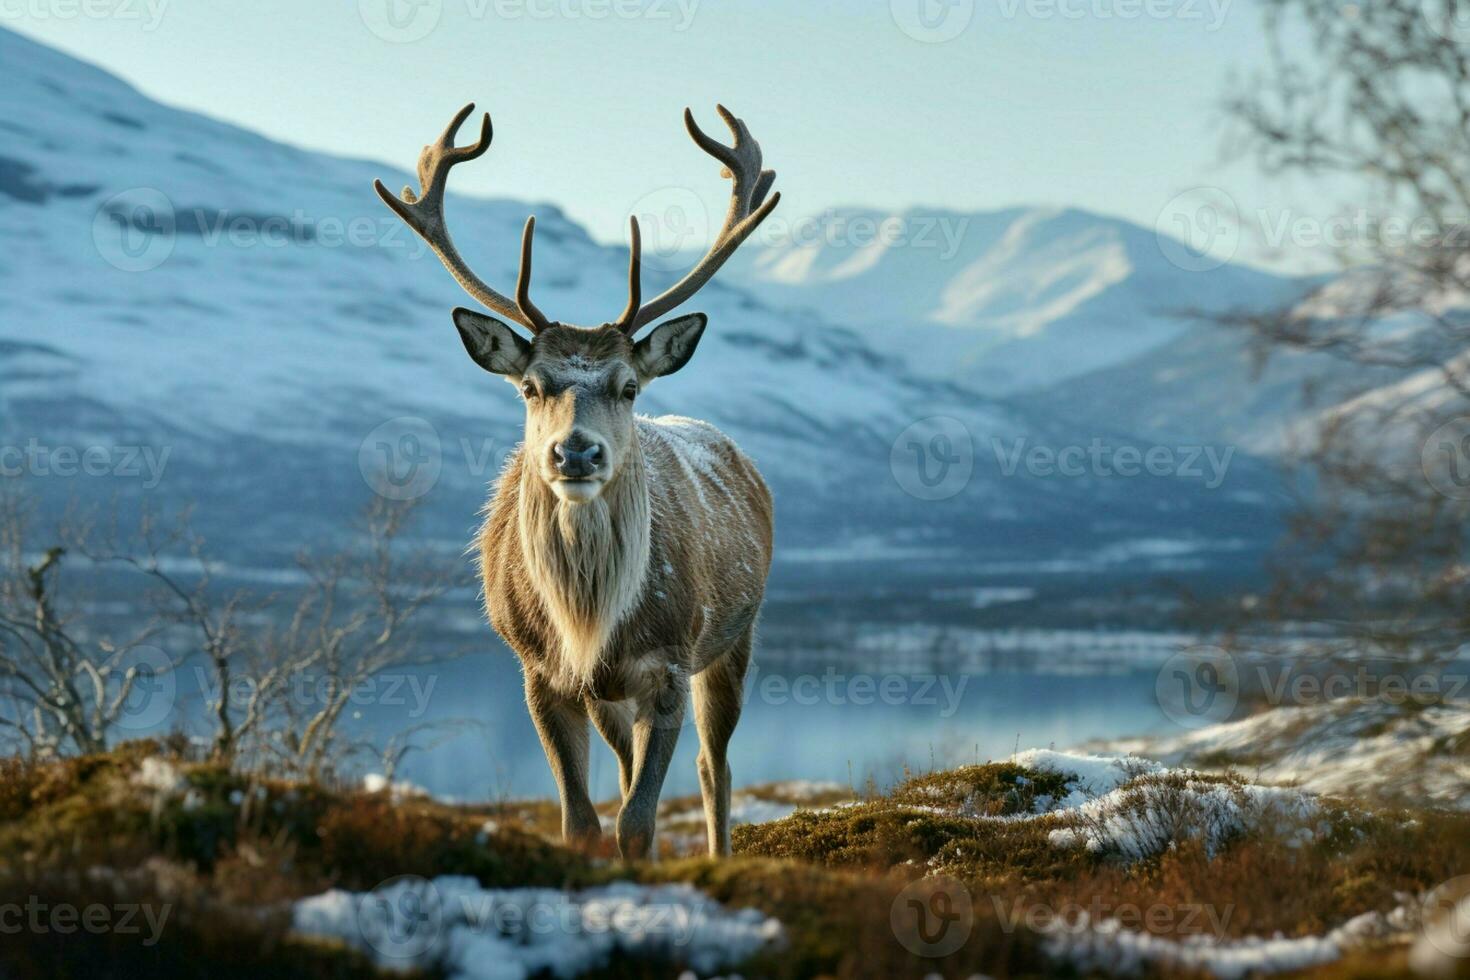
805,717
850,683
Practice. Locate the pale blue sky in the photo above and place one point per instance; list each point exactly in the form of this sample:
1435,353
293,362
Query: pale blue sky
1094,103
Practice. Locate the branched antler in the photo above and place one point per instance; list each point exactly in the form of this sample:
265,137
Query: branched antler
749,206
424,213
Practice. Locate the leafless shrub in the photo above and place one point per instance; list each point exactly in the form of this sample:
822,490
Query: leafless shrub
278,671
63,687
1378,102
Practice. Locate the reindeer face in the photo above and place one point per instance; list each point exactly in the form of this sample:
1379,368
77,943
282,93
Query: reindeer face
579,387
580,384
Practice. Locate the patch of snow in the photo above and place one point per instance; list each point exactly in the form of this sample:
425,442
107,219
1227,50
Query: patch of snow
1342,746
748,809
159,774
473,933
1105,946
1136,808
1147,817
1095,775
376,782
744,809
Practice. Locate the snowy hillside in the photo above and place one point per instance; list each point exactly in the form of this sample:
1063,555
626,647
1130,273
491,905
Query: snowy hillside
1001,301
1212,382
252,313
1209,384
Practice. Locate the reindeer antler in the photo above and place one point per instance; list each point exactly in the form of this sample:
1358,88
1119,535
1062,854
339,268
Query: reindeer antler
748,208
424,213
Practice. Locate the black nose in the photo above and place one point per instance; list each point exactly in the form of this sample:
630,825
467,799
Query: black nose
575,459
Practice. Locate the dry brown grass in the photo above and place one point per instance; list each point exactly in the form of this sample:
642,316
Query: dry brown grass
229,860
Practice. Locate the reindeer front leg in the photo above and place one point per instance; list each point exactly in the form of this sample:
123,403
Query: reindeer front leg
562,724
656,725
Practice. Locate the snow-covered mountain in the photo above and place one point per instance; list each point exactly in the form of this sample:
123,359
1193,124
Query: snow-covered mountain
1000,301
1219,383
1210,384
250,314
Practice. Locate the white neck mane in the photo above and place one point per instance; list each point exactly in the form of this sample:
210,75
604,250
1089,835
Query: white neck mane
588,561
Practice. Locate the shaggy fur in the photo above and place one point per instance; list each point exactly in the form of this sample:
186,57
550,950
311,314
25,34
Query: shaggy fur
670,560
624,559
622,606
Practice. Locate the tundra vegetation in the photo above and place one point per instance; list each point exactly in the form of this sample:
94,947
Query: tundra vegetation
217,829
225,851
226,826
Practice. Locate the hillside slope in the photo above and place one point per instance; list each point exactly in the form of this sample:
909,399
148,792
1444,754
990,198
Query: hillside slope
1001,301
251,315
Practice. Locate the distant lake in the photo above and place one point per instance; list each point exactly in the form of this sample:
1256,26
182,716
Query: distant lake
806,717
852,680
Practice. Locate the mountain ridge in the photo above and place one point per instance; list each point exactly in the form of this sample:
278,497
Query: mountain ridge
1025,297
183,283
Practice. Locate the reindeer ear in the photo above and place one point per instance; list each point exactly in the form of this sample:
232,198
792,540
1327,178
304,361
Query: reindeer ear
669,346
493,345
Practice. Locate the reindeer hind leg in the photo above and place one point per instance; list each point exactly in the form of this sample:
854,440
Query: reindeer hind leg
718,694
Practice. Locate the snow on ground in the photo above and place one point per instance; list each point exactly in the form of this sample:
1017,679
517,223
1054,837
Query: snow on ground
1362,747
1122,805
1093,775
401,789
159,774
475,933
748,809
1146,818
775,801
1104,946
1134,808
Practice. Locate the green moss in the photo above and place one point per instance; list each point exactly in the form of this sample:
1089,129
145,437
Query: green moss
883,835
993,789
937,821
91,811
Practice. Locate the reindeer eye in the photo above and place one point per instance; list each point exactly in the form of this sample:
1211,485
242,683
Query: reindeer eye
630,390
528,389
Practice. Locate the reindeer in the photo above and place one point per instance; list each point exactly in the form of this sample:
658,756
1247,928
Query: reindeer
624,558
